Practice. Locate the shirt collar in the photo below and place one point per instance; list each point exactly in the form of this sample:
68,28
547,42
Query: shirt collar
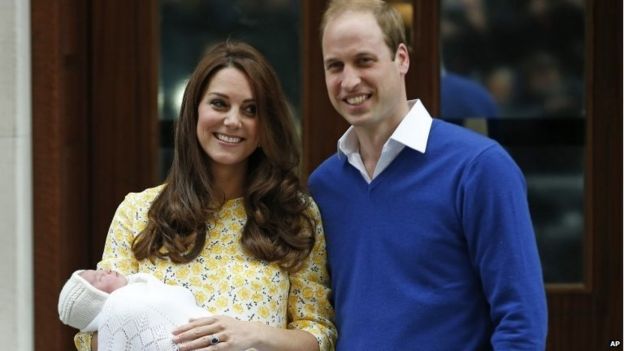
413,131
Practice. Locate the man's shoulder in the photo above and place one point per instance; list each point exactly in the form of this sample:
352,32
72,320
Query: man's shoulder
445,134
468,147
327,167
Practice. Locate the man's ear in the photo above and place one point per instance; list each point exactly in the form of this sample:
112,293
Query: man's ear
402,58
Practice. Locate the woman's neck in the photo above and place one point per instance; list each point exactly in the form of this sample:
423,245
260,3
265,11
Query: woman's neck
229,182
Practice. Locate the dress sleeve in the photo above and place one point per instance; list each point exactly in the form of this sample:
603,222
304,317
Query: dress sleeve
82,341
309,308
128,222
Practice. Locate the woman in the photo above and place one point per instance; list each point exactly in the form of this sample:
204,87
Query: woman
231,222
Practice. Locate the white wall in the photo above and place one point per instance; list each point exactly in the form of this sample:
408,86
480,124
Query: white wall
16,268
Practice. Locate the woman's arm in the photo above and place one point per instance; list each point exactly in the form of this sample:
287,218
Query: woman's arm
227,333
309,308
285,339
117,255
82,341
127,221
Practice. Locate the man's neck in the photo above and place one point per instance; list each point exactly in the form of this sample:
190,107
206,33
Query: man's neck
370,146
371,139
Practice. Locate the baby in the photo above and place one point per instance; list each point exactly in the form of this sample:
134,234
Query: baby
134,312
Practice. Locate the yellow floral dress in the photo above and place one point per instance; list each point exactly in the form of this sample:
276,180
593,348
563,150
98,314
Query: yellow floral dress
224,279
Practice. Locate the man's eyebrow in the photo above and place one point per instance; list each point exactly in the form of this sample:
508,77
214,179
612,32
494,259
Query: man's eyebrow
364,53
330,60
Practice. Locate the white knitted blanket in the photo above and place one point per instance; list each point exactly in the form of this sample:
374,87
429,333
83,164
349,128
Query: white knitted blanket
141,315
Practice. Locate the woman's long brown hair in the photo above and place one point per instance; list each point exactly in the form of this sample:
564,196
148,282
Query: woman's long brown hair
279,228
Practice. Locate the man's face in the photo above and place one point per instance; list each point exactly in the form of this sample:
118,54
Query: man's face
365,80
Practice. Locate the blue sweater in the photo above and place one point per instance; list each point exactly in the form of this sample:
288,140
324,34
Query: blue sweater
436,253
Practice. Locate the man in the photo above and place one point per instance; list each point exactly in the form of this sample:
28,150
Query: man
429,237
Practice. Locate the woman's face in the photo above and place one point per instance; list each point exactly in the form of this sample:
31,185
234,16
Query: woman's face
227,126
104,280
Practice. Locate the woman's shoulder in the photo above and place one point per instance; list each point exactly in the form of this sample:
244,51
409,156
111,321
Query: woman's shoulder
143,198
312,208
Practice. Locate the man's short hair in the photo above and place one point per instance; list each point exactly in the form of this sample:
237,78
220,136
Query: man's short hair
388,18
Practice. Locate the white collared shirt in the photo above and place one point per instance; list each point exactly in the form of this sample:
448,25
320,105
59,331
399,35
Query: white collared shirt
413,132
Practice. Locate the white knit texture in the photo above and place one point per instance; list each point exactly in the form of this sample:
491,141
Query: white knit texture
79,302
137,330
141,315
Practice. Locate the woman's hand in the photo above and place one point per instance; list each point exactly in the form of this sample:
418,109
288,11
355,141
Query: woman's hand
226,333
218,333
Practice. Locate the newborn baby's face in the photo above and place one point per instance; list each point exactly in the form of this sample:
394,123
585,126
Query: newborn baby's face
105,280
